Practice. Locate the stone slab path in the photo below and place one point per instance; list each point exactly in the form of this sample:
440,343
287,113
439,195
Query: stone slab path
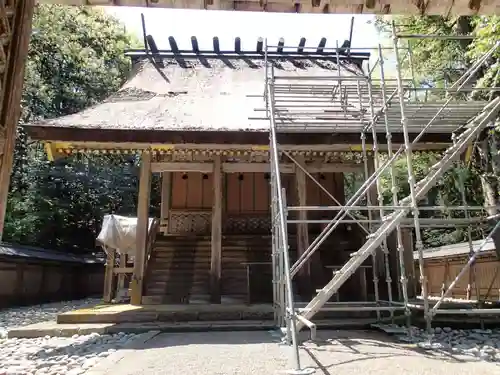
252,353
135,352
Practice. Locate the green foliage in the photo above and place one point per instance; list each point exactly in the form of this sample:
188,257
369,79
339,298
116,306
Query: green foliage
435,61
438,63
75,60
487,30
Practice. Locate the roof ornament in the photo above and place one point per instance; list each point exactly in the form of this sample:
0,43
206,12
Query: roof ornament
237,44
278,51
260,45
216,44
194,45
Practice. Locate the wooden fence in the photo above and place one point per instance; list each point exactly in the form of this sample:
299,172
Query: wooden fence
442,265
31,275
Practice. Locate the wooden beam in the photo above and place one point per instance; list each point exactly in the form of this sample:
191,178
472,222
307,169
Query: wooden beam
142,228
16,36
181,167
302,228
108,275
166,189
254,168
216,253
373,200
334,168
409,262
122,270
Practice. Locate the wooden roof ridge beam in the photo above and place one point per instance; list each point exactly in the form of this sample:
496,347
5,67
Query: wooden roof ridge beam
256,167
216,44
237,44
278,50
321,46
153,47
194,44
260,45
173,44
302,44
281,44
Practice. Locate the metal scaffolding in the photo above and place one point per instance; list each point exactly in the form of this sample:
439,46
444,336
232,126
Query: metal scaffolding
356,102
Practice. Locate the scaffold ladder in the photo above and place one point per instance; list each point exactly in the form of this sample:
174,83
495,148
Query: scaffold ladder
391,221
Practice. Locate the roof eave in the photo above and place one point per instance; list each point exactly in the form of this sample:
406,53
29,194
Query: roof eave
242,137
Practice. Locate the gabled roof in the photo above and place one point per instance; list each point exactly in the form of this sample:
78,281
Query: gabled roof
214,94
37,253
187,96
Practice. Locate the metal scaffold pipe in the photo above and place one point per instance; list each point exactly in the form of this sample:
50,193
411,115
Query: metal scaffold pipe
337,103
394,191
411,180
283,233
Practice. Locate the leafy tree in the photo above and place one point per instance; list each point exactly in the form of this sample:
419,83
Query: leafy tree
75,60
438,63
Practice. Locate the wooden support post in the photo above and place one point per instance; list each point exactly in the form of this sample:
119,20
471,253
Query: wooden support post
304,274
108,275
15,34
166,189
216,255
121,276
142,228
363,283
407,234
20,283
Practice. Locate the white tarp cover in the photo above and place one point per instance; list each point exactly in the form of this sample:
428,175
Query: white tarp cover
119,233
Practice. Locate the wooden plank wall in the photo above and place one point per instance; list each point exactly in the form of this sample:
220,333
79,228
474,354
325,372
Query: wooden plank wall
248,192
192,190
333,182
26,283
444,271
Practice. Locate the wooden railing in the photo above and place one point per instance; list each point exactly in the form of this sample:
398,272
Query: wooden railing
113,271
150,242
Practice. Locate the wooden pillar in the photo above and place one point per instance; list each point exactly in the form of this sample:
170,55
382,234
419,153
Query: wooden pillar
142,228
15,34
166,194
409,262
108,275
121,275
216,254
304,273
20,289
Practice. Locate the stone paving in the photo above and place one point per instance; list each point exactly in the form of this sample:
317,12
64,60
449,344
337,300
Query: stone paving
22,316
244,352
52,355
260,352
483,344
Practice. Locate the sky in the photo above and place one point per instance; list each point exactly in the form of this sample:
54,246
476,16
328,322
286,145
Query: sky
182,24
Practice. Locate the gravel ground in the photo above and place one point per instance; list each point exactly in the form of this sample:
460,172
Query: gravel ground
474,352
53,355
22,316
252,353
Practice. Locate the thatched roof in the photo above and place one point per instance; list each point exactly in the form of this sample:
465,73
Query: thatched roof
192,96
217,94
